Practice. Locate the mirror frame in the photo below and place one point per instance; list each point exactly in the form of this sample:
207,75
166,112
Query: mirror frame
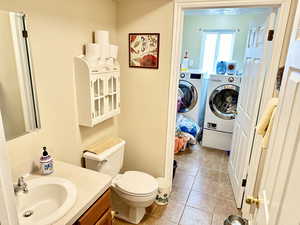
25,72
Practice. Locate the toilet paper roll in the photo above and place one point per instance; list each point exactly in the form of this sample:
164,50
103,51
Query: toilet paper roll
113,51
92,51
104,51
102,37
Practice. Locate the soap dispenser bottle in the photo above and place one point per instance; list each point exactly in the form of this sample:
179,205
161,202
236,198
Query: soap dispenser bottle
46,163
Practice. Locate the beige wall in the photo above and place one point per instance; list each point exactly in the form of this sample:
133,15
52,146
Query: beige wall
58,30
10,98
144,92
192,37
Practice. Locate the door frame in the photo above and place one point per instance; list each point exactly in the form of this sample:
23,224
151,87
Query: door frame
270,79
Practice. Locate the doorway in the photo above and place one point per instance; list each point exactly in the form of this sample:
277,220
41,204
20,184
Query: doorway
214,36
219,48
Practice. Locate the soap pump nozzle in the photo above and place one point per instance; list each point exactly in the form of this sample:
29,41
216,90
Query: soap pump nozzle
45,153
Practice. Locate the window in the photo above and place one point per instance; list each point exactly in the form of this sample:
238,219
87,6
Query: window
217,45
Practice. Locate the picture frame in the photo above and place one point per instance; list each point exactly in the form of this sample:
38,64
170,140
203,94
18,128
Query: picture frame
144,50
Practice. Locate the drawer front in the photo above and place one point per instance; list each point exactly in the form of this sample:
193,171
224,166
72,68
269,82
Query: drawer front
96,211
106,219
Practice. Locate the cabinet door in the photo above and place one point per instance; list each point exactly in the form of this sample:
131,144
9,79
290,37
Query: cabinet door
116,91
105,96
97,86
110,77
106,219
109,94
97,211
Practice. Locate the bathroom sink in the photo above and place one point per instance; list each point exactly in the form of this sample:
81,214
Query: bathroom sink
47,200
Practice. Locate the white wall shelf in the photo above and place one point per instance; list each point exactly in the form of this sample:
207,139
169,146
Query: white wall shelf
97,90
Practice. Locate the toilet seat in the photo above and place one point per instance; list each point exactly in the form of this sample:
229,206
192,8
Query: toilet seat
135,183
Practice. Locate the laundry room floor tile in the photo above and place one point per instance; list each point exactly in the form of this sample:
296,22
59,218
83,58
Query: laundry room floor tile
171,212
202,201
192,216
183,180
179,195
225,191
226,206
208,174
147,220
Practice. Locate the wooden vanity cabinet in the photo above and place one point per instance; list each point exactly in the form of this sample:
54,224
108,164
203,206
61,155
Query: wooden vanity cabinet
99,213
106,219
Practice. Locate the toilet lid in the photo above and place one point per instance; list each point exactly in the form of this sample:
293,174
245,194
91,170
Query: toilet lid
136,183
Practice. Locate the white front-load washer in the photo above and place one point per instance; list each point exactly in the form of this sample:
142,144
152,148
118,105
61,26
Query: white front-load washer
192,88
220,111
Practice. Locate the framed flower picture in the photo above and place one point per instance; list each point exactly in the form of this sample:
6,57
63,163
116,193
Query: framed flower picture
144,50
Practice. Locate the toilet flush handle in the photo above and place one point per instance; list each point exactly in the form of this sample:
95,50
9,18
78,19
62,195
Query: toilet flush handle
101,162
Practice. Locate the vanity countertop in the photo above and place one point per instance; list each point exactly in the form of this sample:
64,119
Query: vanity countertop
90,186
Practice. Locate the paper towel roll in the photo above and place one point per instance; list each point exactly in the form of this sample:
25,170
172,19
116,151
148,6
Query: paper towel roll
92,51
104,51
113,51
102,37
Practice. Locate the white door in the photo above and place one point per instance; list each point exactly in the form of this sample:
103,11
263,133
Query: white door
257,57
279,191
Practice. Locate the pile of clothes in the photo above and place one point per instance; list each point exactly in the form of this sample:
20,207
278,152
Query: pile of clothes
187,132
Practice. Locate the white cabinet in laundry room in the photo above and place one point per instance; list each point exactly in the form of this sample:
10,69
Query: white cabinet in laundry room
97,91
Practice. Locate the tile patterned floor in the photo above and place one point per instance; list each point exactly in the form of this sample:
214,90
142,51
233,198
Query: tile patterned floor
201,194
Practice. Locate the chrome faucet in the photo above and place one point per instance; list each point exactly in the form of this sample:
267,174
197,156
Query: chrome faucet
20,186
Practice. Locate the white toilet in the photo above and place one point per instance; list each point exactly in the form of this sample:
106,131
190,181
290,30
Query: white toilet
132,191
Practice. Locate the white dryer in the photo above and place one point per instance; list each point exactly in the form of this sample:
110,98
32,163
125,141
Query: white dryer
192,88
220,111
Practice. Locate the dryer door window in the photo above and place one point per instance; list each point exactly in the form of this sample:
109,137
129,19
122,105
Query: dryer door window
223,101
188,96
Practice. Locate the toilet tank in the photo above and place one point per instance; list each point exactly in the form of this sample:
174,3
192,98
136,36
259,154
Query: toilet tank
108,159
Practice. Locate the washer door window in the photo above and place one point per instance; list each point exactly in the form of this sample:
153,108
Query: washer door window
223,101
188,96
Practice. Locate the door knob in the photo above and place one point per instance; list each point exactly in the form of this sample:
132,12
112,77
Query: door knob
252,201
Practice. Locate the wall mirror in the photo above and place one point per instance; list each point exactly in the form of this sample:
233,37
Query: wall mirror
18,99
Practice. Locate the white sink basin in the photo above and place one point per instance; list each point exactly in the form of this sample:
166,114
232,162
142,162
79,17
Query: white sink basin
48,199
